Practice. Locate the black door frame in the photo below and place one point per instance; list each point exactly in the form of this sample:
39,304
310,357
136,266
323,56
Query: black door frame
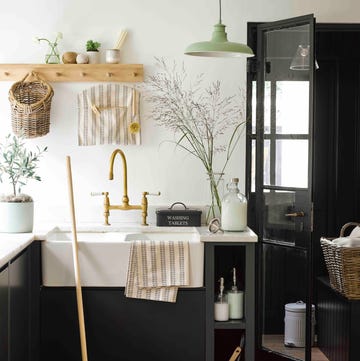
253,65
251,75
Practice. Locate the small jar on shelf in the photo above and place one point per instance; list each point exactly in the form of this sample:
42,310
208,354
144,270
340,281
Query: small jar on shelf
236,300
221,307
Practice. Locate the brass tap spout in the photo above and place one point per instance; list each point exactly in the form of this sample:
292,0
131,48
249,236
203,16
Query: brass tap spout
125,198
125,206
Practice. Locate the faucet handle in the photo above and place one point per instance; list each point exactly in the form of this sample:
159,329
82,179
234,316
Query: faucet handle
144,206
106,204
151,194
95,194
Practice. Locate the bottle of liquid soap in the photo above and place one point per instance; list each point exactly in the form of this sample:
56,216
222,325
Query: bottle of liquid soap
221,311
234,208
236,300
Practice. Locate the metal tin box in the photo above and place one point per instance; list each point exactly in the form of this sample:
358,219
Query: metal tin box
175,217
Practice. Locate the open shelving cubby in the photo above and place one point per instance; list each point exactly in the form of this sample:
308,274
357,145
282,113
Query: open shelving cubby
223,337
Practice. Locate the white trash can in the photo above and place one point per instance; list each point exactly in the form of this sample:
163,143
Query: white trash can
295,324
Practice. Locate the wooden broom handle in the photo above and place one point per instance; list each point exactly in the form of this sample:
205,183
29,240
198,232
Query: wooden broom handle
235,354
76,264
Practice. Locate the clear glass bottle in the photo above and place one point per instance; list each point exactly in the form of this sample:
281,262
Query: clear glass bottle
234,208
236,300
221,306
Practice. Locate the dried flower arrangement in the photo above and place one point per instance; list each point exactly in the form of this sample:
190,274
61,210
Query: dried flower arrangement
201,117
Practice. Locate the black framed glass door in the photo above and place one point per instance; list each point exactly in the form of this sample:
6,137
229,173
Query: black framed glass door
280,140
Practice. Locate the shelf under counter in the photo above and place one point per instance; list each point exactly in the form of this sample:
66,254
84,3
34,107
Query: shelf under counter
223,252
230,325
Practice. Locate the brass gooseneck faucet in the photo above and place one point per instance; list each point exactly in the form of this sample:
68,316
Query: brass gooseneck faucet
125,206
125,198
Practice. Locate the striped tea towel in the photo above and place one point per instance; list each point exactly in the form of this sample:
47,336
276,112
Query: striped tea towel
109,114
156,270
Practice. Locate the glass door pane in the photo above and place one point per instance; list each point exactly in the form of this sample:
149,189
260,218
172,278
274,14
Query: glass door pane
292,106
283,148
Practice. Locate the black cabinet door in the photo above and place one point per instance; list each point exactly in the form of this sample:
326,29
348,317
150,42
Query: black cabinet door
19,308
4,320
122,329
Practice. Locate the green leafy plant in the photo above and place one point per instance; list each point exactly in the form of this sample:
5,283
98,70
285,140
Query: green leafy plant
92,45
19,165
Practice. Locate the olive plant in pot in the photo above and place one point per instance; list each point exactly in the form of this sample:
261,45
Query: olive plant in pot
92,50
18,165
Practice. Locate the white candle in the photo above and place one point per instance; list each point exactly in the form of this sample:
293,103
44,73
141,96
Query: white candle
236,301
221,311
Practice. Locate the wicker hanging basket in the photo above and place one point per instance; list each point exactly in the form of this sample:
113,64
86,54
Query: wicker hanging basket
343,265
30,106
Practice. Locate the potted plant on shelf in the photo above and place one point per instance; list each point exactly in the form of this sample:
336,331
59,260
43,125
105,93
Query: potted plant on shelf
19,165
92,50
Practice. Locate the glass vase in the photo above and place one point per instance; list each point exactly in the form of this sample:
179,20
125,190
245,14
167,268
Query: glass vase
52,55
216,189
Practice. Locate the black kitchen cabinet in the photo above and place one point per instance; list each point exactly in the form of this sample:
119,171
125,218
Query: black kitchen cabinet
120,328
19,289
19,307
338,323
4,307
124,329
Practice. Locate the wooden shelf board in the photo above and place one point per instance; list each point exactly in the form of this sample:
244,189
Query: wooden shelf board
276,343
74,72
231,324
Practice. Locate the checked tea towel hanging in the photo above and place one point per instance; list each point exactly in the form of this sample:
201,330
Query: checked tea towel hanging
109,114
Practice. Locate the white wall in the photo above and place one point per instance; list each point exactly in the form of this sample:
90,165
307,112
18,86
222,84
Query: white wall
160,28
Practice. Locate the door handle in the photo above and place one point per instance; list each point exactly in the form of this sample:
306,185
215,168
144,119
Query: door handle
295,214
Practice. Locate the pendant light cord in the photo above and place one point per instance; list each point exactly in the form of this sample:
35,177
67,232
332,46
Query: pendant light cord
219,11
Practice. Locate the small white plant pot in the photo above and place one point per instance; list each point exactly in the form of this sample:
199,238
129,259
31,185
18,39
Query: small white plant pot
16,217
94,57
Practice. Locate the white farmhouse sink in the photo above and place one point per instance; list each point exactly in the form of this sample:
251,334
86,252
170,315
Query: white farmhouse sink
104,254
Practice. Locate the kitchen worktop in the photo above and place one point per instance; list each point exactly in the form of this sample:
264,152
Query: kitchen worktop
13,243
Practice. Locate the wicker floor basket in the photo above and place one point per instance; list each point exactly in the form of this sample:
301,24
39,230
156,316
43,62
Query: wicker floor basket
30,106
343,265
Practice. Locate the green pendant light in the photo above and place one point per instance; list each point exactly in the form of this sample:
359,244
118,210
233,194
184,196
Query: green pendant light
219,46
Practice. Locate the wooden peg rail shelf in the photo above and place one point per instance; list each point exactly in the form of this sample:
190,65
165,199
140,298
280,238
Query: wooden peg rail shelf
75,72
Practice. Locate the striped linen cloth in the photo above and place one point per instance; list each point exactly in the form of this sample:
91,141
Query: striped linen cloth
105,113
156,270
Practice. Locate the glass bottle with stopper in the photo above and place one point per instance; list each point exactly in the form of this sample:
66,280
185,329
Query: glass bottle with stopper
235,299
234,208
221,310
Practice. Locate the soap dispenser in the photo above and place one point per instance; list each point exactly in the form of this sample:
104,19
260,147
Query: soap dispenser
236,300
234,208
221,310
